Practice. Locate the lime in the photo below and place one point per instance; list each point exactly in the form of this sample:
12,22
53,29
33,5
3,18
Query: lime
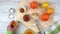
9,32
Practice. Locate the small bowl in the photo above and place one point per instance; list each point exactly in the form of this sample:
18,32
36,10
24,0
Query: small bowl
22,9
12,10
26,18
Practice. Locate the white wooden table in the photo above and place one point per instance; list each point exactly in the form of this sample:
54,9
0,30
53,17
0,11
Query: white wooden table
4,12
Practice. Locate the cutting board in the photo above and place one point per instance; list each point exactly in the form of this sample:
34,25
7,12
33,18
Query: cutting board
31,24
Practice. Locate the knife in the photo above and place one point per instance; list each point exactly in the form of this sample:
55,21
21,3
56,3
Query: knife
39,26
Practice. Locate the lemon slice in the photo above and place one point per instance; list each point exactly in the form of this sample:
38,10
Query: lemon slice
45,4
9,32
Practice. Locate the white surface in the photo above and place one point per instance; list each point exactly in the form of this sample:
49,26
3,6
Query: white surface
53,27
4,12
20,30
5,5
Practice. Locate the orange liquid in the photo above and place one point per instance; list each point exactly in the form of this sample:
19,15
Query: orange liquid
22,10
29,31
14,24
